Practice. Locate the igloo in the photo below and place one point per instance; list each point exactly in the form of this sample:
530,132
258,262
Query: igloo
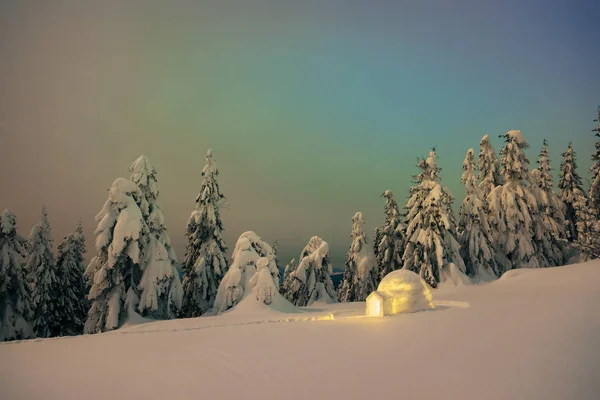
400,291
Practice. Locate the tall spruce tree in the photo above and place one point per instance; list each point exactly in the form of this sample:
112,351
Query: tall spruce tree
205,262
360,273
475,236
431,249
72,302
595,170
490,175
115,272
15,306
581,222
389,238
158,263
43,278
550,225
514,208
288,270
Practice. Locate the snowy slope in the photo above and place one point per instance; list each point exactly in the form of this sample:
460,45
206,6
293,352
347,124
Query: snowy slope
533,334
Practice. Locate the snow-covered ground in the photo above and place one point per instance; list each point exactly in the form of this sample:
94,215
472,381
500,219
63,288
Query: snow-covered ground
533,334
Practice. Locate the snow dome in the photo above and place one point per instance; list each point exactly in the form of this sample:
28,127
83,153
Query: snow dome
400,291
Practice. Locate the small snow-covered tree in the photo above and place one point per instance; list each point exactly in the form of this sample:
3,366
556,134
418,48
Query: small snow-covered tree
238,282
205,263
360,273
389,238
15,306
311,280
115,272
72,303
514,208
550,233
157,263
581,222
43,278
431,249
288,270
474,230
595,170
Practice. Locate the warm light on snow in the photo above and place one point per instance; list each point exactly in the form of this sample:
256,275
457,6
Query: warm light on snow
400,291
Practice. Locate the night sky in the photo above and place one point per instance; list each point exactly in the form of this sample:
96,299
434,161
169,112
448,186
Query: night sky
312,108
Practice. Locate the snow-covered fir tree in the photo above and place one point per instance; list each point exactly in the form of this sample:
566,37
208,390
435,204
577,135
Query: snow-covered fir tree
43,278
311,281
288,270
514,208
489,178
158,262
581,222
115,272
389,238
360,272
490,175
550,231
431,249
474,231
238,282
15,306
72,303
205,263
595,170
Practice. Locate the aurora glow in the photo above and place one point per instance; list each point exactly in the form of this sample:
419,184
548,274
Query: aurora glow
313,108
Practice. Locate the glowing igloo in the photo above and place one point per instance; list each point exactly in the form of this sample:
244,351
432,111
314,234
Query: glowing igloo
400,291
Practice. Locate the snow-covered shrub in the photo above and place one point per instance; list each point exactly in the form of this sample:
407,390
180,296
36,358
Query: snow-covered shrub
238,282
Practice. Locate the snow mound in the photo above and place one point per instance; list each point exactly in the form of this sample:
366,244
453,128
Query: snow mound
400,291
451,274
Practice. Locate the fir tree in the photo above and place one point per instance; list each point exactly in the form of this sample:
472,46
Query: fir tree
158,261
550,233
311,280
205,263
475,235
432,250
73,307
15,306
115,272
595,170
360,273
490,176
513,208
43,278
581,223
389,238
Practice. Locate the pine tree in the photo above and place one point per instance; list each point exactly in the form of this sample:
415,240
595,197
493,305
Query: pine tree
389,238
550,233
158,263
432,250
205,263
72,304
580,220
115,272
595,170
311,280
15,306
360,272
43,278
514,208
240,280
475,234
